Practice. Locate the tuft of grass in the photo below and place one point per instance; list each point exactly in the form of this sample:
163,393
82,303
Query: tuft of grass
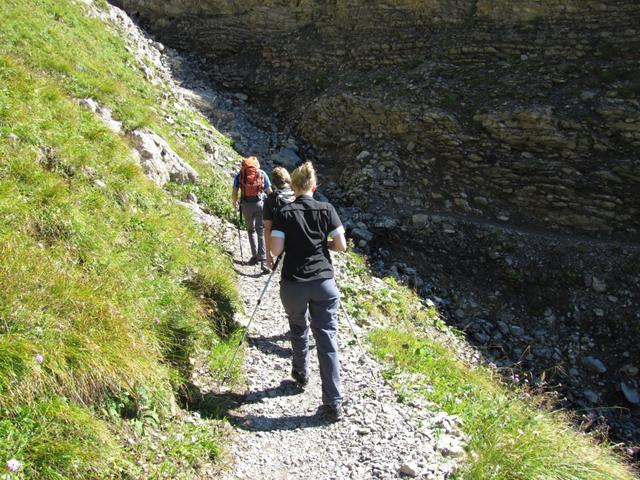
511,436
180,451
55,440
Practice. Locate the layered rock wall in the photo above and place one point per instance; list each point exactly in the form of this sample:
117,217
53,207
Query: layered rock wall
525,112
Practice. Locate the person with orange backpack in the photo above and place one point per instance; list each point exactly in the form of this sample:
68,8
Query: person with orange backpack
253,184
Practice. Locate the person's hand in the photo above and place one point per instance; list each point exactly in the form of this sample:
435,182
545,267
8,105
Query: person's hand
235,205
269,261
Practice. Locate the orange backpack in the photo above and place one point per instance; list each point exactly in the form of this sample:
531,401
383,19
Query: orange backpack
251,180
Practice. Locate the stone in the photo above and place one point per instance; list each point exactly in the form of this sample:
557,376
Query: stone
363,155
594,365
419,219
449,446
192,198
598,285
503,327
591,396
89,103
386,222
104,113
630,393
99,183
516,331
409,469
158,160
587,95
482,337
362,233
287,157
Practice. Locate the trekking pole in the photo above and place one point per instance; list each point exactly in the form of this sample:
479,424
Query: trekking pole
239,234
255,309
364,355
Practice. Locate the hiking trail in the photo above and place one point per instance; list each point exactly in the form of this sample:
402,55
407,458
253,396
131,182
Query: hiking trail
279,434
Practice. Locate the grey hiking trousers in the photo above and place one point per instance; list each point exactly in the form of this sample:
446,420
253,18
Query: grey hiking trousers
315,304
252,215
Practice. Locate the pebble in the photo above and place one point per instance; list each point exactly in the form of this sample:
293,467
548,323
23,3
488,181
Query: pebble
594,365
409,469
630,393
598,285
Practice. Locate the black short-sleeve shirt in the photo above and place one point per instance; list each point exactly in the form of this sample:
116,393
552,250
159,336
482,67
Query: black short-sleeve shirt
271,202
305,225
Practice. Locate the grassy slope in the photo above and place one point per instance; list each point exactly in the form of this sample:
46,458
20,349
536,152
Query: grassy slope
512,436
93,277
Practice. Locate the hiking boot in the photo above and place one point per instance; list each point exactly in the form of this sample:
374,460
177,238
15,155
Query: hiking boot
332,413
300,379
264,269
253,260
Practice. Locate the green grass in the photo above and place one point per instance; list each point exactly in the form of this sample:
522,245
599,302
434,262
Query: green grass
115,287
512,434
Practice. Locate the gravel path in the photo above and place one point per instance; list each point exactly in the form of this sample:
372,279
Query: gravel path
279,433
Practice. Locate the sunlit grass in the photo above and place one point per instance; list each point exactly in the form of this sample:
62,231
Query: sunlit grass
511,434
97,306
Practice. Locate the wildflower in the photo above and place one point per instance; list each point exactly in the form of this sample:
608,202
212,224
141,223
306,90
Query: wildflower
13,465
39,358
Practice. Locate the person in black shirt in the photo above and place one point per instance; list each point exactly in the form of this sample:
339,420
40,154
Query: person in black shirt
279,197
305,231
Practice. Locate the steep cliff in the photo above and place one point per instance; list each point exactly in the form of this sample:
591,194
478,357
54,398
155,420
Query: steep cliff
521,111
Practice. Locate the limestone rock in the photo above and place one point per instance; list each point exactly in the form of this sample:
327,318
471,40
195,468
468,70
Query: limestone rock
158,160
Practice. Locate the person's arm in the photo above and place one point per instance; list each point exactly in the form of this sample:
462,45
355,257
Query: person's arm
338,243
234,198
336,239
267,241
234,192
267,183
276,243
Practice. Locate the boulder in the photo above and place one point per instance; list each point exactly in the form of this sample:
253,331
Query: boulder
287,157
158,160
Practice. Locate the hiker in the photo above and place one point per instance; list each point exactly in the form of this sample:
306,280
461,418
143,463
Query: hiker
253,183
305,230
281,195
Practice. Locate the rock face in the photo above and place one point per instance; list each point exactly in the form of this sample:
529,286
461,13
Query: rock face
490,108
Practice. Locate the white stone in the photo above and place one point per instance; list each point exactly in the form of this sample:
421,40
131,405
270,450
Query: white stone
158,160
362,155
